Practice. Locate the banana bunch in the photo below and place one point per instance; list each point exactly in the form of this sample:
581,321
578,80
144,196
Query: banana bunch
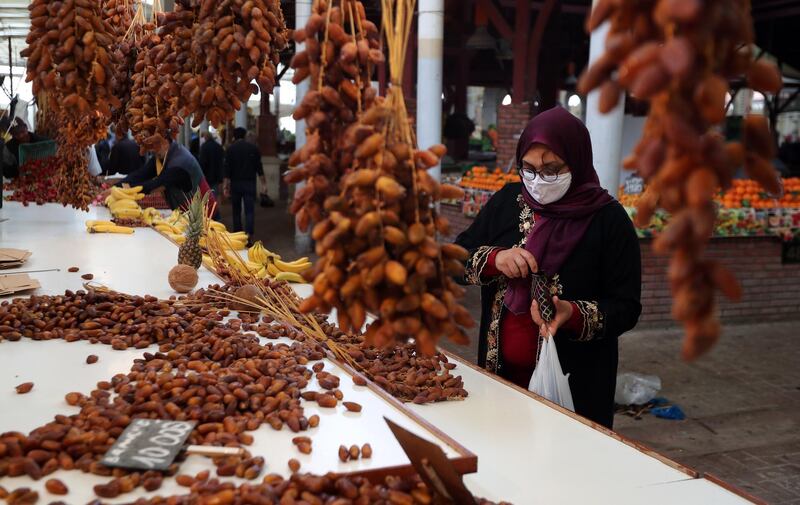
237,240
151,216
122,202
271,265
107,227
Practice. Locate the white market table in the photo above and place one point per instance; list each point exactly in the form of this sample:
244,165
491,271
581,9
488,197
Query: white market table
529,451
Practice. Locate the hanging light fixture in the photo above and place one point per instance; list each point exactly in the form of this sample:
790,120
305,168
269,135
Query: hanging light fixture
481,38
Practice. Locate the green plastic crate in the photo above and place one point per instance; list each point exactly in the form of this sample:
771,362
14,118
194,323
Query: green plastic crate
36,151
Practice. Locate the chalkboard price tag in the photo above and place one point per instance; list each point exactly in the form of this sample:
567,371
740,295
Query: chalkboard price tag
634,185
433,467
148,444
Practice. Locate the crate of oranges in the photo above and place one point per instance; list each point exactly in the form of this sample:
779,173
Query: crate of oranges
480,177
747,193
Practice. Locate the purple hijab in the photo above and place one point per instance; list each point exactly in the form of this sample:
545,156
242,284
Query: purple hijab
560,225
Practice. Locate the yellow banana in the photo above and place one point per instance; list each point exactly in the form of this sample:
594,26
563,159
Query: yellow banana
166,228
290,277
132,190
124,204
292,267
91,223
179,239
105,228
128,213
207,262
272,269
110,200
262,273
216,225
118,194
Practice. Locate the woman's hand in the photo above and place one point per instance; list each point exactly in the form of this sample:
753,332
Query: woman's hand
563,314
515,262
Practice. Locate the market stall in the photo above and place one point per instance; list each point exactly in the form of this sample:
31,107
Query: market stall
527,449
755,236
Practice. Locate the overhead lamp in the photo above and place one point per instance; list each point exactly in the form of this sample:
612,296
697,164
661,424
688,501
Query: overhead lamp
481,39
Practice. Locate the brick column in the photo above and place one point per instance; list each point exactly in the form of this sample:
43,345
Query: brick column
511,120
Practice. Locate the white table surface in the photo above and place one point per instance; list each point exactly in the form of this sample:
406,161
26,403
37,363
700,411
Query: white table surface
527,451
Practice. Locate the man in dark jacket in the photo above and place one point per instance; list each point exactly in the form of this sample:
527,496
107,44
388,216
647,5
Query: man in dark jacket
242,165
212,161
124,158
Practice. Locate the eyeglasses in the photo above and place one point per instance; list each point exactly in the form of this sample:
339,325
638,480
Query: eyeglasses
548,173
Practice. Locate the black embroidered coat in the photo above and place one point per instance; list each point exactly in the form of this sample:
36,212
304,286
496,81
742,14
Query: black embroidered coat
602,276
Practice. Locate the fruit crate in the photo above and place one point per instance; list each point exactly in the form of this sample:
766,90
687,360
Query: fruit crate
36,151
155,200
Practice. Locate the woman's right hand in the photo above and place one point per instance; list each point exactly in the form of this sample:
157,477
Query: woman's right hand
515,262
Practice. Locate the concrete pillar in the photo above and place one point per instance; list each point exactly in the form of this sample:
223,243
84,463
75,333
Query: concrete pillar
429,76
302,241
605,129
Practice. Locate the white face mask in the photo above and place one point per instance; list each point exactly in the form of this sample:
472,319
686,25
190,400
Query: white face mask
547,192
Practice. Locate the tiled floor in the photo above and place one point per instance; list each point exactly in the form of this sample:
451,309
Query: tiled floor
742,401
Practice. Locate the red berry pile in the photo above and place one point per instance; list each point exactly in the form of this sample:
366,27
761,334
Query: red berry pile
37,182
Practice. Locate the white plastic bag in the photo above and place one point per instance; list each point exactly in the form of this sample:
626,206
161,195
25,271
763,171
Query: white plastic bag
94,164
636,389
548,378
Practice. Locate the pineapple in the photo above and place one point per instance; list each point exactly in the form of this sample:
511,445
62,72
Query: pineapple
190,252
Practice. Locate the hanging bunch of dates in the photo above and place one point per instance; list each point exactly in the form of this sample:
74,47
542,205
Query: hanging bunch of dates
341,52
150,119
234,44
129,24
679,55
68,57
377,246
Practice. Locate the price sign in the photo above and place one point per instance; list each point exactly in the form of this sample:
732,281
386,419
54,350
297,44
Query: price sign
634,185
433,467
148,444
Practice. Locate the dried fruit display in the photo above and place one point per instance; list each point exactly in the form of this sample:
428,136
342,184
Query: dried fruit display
306,488
679,55
68,57
341,51
235,43
35,182
204,370
376,241
148,115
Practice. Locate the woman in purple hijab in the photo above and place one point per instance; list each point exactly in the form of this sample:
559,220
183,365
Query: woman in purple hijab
556,255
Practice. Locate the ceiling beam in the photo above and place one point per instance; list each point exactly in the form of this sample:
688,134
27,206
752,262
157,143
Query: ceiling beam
497,19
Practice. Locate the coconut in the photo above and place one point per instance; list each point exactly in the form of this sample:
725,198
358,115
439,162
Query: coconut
183,278
247,292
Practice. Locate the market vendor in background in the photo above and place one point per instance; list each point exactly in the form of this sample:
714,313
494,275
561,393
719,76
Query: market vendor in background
19,135
178,180
558,221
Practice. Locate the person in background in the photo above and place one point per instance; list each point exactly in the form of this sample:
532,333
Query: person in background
242,165
20,135
194,146
558,222
212,161
180,177
124,158
103,150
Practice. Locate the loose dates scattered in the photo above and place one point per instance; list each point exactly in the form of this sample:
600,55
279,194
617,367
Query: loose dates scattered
679,56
